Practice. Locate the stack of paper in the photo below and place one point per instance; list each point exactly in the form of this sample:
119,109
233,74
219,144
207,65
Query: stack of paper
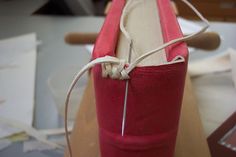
213,79
17,82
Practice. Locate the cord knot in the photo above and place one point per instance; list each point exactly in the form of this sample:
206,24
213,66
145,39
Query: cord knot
115,71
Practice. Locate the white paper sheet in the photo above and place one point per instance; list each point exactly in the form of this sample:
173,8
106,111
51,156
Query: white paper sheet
214,64
214,88
188,26
4,143
216,97
225,61
89,48
33,145
233,64
17,81
29,146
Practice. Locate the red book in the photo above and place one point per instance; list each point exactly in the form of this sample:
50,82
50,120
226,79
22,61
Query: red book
139,65
154,93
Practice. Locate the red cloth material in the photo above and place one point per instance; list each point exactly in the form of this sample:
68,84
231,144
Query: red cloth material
154,97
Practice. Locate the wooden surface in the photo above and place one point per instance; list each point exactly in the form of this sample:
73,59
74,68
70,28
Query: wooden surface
191,140
84,137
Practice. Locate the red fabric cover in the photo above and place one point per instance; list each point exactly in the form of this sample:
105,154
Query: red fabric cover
154,97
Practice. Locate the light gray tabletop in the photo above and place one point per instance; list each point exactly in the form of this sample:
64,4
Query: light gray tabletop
54,54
